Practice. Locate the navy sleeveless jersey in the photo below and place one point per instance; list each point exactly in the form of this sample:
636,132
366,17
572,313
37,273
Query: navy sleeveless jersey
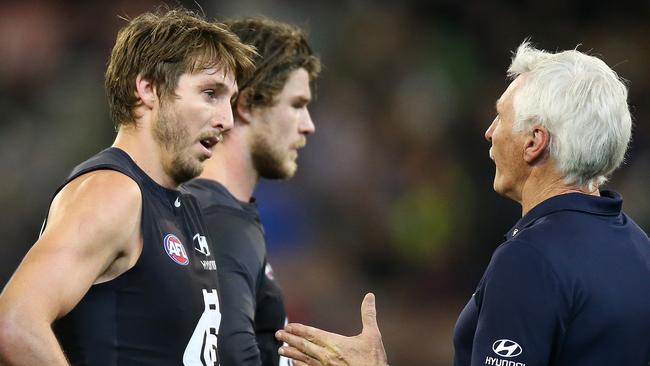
569,287
164,310
252,305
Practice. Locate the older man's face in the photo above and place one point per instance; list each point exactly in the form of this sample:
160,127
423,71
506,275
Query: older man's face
507,149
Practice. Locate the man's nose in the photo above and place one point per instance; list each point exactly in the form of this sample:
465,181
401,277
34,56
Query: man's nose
490,130
307,126
224,121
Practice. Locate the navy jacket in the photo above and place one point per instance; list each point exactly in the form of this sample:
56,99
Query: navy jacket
569,286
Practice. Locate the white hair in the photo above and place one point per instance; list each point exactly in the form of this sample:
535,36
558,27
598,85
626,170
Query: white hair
582,103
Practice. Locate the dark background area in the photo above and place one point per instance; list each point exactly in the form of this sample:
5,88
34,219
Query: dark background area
394,191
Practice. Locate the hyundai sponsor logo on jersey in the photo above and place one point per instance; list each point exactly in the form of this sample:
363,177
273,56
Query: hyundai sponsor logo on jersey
505,348
175,250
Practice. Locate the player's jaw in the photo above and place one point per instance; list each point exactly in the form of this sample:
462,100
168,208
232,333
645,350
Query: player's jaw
273,159
187,162
293,149
184,153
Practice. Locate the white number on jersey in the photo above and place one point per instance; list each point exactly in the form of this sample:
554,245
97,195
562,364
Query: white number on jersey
202,348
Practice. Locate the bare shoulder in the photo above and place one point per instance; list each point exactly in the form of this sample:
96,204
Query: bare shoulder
101,186
98,212
105,195
93,235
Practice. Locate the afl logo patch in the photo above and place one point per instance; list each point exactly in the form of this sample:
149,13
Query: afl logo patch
175,250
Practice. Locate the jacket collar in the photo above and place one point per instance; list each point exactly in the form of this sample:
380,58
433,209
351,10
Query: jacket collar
609,203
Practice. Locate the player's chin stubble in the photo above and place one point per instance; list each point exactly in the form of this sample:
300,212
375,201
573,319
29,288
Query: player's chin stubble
270,163
174,139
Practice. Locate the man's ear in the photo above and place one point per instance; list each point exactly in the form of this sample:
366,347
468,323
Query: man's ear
537,143
242,109
145,91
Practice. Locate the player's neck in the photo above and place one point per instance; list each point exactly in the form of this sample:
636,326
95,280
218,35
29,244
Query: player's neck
145,152
232,166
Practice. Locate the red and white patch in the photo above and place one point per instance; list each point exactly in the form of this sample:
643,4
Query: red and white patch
175,250
268,270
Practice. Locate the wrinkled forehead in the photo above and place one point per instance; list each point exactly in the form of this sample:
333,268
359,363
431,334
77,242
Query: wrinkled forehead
217,74
218,71
209,59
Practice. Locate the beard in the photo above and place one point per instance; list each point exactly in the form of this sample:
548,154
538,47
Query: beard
269,161
175,140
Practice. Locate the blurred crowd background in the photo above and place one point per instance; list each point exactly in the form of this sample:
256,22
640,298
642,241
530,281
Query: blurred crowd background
394,191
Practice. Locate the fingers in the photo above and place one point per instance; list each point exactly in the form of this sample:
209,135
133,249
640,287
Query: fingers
299,358
369,314
314,335
371,332
301,344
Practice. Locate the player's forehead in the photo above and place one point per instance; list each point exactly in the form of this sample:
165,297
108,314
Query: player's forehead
297,84
215,76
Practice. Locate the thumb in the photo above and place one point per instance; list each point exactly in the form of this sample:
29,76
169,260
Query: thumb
369,314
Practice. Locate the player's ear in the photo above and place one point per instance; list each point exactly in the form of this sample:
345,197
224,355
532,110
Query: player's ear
537,143
242,108
145,91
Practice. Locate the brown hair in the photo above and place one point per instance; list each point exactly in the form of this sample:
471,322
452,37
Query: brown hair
281,49
161,46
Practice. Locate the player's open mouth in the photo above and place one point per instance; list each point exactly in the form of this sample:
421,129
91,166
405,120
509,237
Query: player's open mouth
209,142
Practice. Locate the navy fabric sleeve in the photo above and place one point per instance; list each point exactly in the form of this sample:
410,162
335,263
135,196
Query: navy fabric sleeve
238,264
520,308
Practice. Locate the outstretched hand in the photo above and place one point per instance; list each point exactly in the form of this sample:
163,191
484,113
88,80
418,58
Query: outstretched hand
309,346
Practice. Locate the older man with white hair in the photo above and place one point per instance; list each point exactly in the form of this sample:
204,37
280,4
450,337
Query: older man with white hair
570,285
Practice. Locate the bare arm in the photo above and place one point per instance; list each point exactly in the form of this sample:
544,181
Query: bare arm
312,346
93,235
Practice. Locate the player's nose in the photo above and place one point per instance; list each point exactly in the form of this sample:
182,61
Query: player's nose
307,126
224,121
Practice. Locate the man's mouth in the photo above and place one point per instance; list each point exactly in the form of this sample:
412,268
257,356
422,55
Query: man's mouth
210,141
299,145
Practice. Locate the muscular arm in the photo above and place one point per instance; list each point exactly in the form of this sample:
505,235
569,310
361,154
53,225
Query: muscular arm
92,235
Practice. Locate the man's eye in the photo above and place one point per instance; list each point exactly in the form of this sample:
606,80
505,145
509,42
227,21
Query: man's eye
210,93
